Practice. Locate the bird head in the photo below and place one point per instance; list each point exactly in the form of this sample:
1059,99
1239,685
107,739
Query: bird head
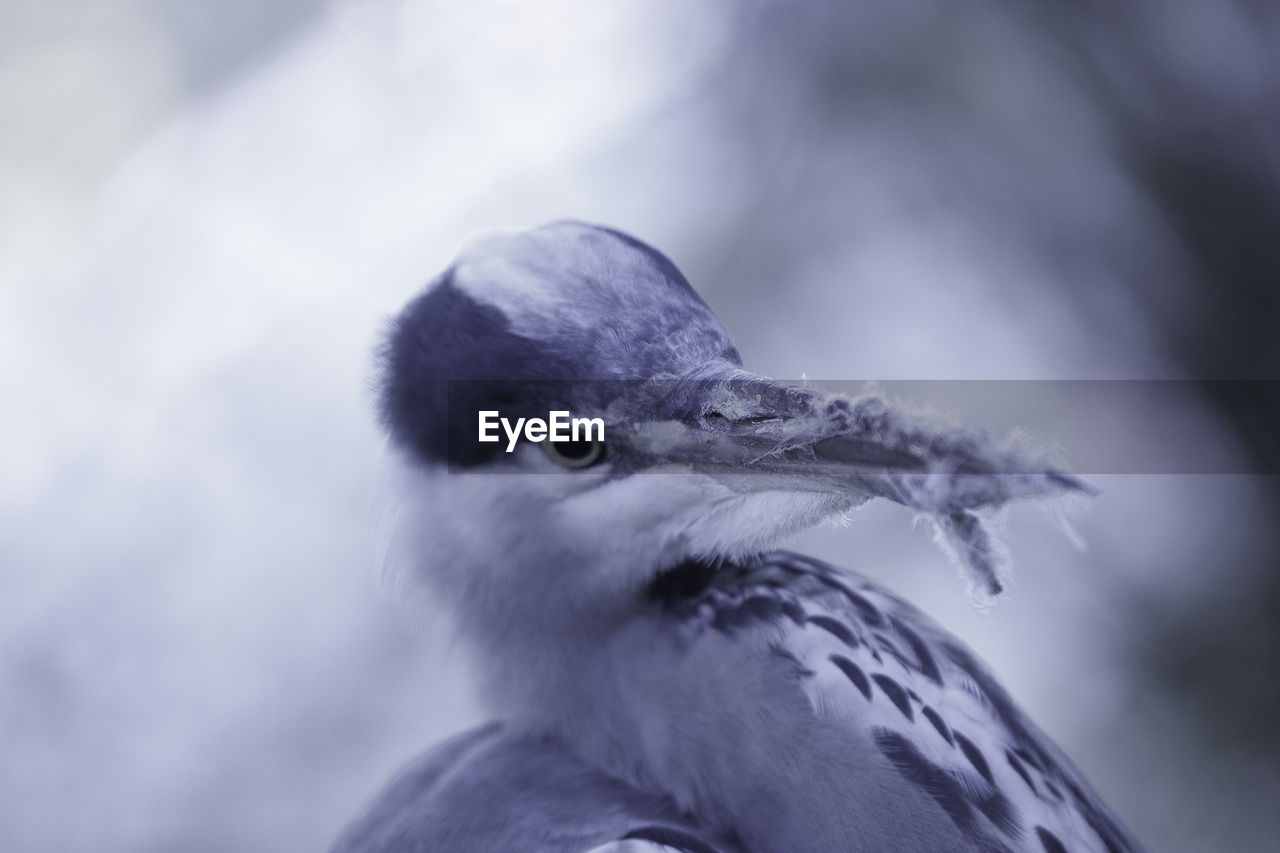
701,460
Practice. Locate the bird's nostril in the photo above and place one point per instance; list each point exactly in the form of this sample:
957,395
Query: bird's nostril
751,420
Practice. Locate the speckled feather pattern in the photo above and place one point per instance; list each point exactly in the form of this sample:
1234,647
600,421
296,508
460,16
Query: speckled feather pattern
837,718
870,661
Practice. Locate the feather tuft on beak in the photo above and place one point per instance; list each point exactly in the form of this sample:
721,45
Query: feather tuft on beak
729,423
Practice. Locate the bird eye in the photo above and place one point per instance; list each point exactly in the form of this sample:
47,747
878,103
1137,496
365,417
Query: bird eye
575,454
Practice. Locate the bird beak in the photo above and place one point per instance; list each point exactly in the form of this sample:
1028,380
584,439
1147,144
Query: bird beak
757,434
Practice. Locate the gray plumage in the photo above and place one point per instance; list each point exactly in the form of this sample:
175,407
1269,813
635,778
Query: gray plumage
491,790
663,678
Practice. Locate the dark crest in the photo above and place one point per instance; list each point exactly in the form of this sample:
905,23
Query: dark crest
615,309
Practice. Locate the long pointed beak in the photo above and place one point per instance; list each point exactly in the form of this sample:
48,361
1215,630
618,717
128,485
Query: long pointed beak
763,434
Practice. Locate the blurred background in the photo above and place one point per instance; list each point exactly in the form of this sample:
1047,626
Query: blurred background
208,209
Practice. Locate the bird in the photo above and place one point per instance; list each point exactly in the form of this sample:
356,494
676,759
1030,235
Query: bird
659,675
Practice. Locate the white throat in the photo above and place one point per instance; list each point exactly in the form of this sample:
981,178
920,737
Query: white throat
535,567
